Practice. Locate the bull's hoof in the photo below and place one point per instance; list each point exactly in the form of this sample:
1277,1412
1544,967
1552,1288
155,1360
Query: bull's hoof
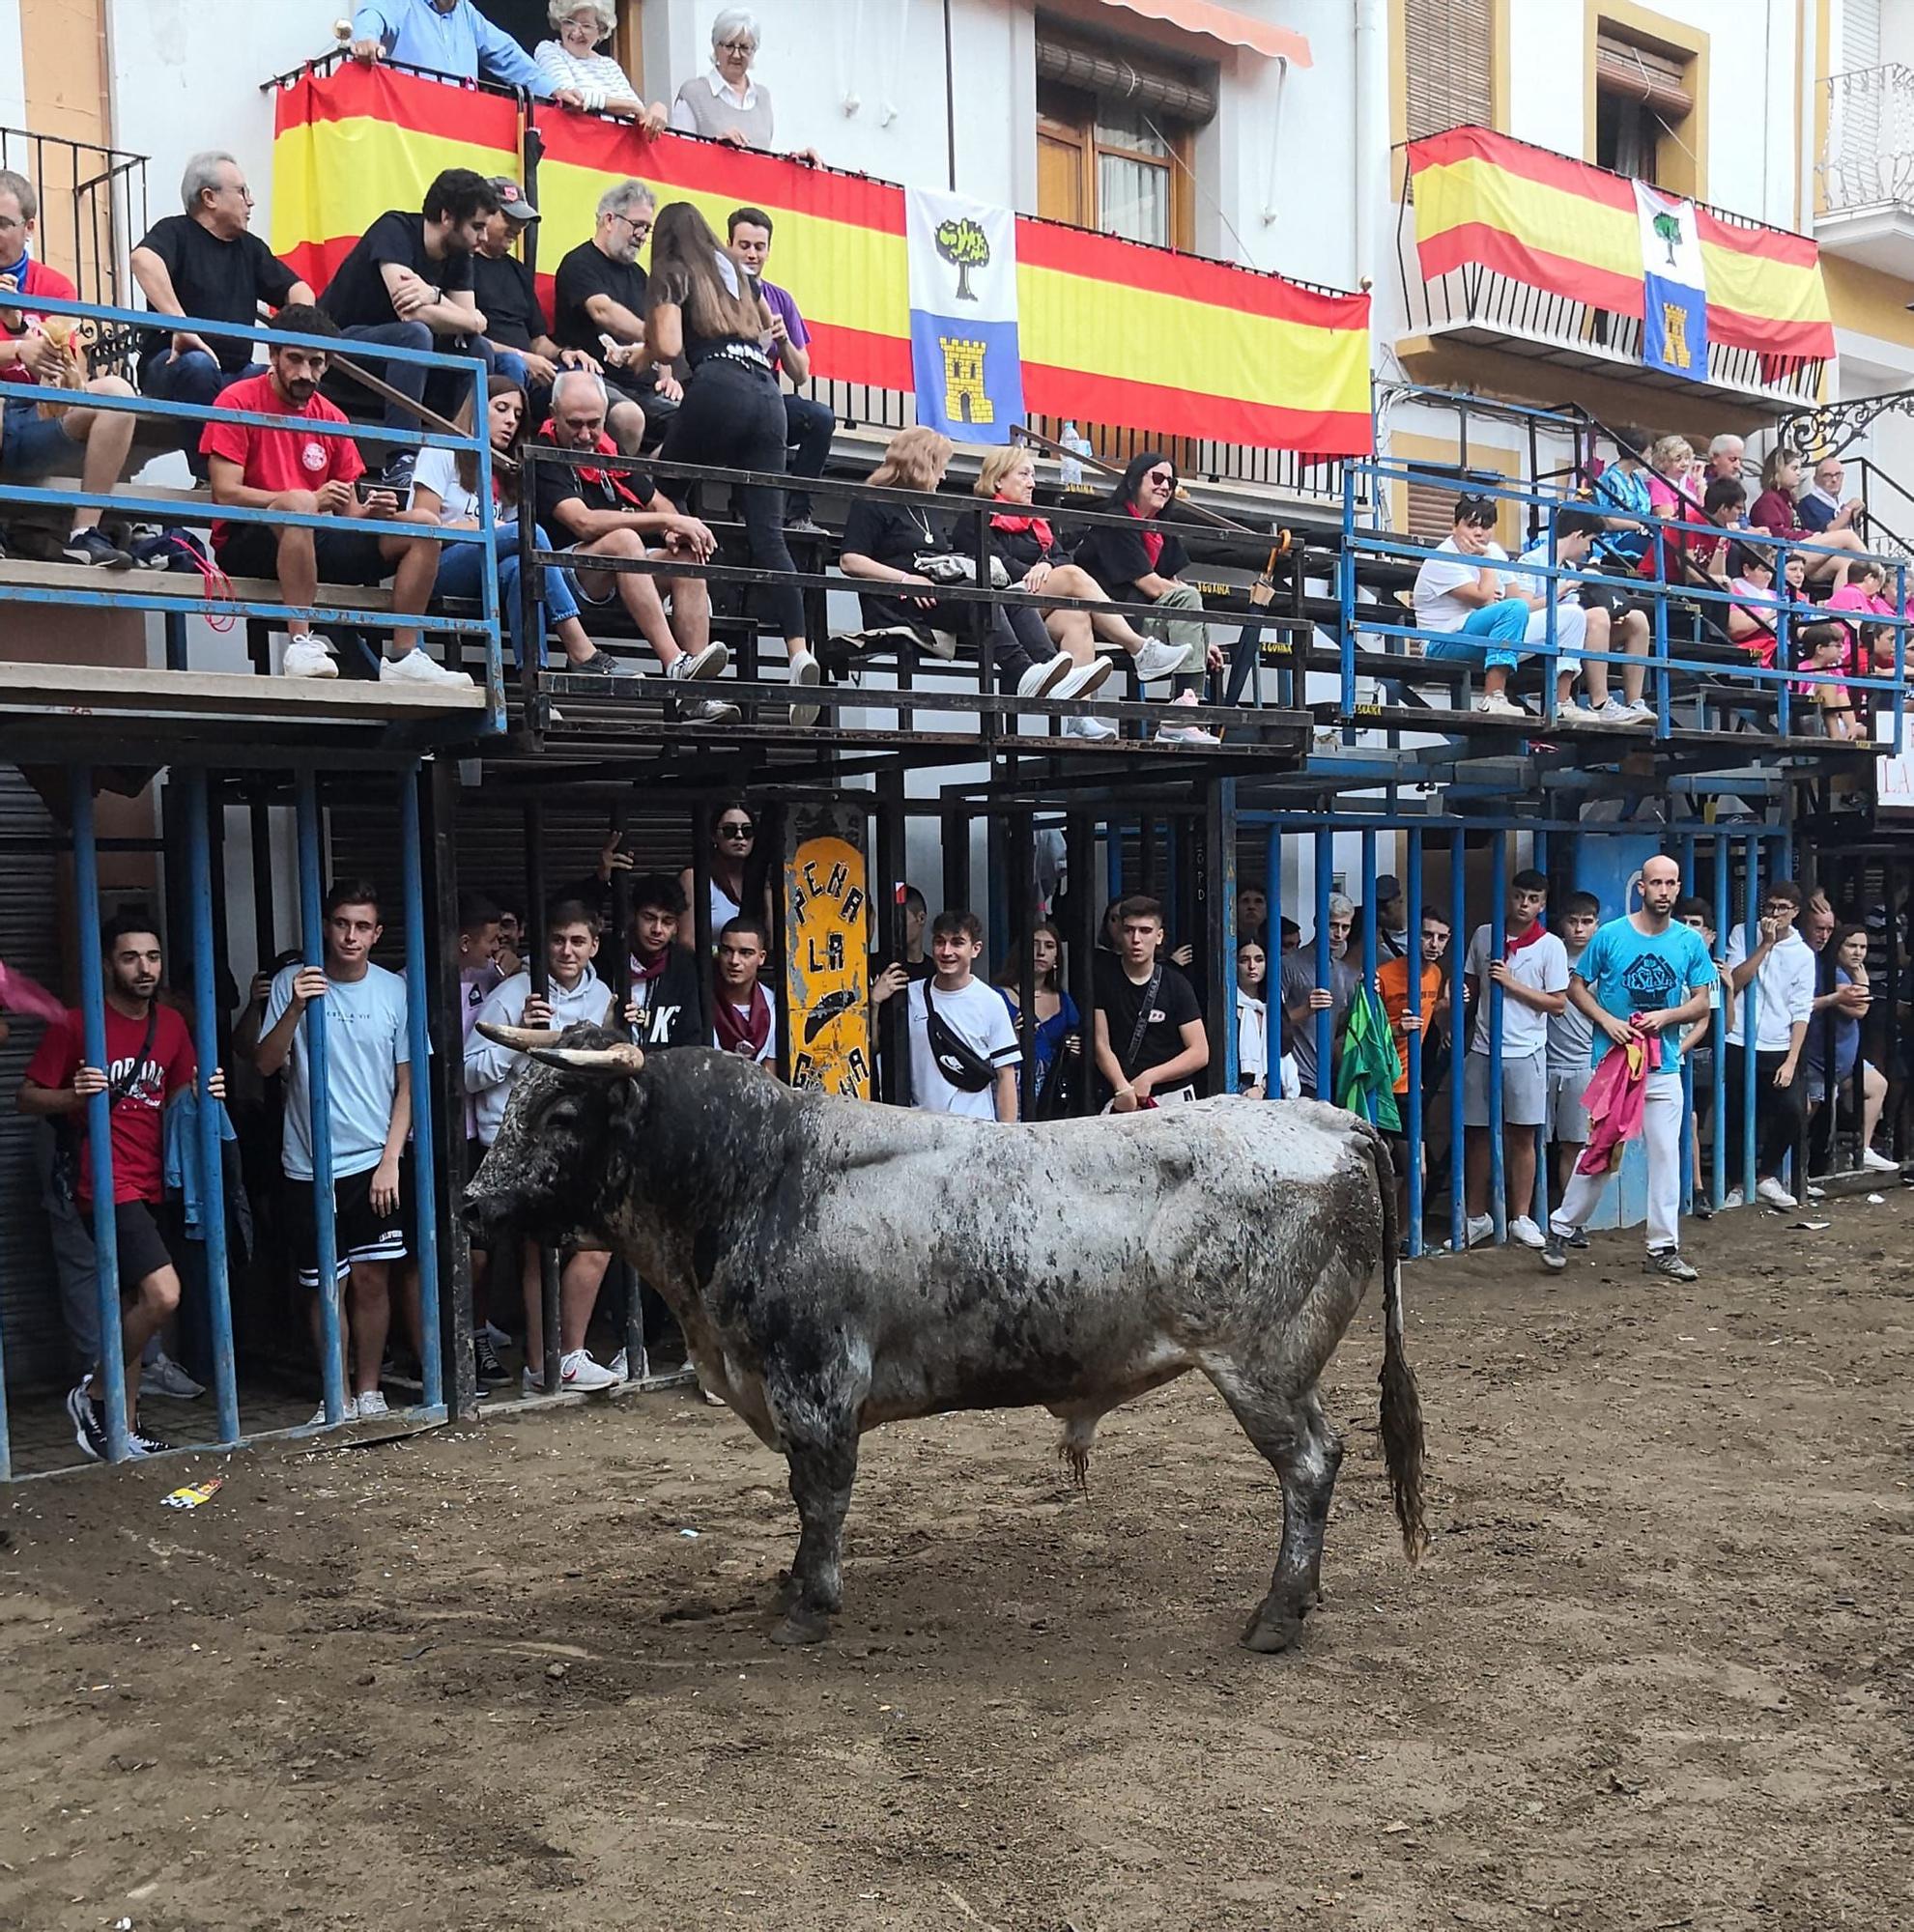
1272,1629
802,1627
785,1592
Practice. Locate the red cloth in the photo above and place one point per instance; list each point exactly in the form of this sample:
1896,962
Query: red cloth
27,996
618,481
745,1033
1521,942
1153,540
1614,1100
139,1170
279,459
37,279
1038,527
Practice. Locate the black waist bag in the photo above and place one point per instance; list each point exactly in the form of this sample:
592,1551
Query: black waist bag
958,1060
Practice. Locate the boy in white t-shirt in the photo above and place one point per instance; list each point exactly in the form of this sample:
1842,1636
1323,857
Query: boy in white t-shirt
966,1061
744,1016
1533,976
1460,594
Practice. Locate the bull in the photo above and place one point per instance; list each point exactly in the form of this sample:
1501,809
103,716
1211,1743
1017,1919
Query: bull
836,1265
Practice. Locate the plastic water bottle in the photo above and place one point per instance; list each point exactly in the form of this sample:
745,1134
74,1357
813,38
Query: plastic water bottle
1069,468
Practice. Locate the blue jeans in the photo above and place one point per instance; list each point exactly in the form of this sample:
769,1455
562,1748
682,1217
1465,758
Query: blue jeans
440,390
194,378
461,569
1486,638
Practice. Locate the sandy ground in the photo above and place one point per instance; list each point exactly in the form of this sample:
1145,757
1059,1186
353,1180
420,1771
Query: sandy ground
1657,1672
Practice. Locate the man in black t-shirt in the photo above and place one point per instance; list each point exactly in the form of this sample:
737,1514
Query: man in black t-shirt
599,292
664,1008
206,263
407,284
1150,1040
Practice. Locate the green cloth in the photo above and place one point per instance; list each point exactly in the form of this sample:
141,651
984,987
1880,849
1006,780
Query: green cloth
1370,1067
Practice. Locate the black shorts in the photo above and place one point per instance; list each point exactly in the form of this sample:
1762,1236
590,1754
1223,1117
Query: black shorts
143,1236
1617,600
343,556
359,1233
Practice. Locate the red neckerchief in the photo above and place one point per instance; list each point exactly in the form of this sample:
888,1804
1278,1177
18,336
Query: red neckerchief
1519,942
743,1033
1017,526
1153,540
650,969
612,479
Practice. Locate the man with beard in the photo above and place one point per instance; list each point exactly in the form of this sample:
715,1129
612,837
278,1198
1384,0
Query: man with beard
149,1063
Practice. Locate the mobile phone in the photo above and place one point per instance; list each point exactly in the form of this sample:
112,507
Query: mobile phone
610,345
369,487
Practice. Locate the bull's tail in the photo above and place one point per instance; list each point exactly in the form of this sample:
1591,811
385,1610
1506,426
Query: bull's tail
1402,1406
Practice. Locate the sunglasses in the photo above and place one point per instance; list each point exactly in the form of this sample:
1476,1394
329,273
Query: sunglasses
1163,476
734,831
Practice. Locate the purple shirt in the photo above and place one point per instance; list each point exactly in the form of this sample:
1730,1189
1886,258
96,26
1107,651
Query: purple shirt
779,300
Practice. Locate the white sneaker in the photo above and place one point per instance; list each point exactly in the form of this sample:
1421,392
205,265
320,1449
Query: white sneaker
415,668
710,662
1042,679
1571,713
350,1413
1094,729
1492,705
804,670
580,1371
1522,1229
1159,658
616,1366
1185,734
307,656
1775,1194
372,1402
1481,1228
1734,1199
164,1376
1637,714
1082,679
1879,1163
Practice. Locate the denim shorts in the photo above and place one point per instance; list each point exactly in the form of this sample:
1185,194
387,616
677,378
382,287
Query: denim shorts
32,444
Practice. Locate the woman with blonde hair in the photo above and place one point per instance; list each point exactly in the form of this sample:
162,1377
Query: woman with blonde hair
1775,512
572,60
887,542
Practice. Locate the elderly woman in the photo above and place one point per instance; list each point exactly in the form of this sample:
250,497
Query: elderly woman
573,61
725,103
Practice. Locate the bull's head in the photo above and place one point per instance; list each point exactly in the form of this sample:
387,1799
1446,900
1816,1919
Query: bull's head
558,1170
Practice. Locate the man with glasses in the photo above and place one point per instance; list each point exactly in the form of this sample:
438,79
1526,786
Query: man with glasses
600,303
209,265
1821,506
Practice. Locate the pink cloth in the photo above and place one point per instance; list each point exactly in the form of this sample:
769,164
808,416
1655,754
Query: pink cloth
28,996
1615,1099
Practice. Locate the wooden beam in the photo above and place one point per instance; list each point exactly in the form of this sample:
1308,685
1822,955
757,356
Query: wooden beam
227,693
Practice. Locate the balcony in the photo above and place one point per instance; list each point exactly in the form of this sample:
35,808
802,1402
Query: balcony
1864,210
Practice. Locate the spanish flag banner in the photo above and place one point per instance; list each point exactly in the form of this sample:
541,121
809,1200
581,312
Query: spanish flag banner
1574,230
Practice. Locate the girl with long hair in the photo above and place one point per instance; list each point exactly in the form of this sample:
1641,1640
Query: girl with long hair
701,307
1056,1028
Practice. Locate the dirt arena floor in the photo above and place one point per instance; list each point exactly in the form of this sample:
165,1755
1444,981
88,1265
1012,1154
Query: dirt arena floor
1658,1671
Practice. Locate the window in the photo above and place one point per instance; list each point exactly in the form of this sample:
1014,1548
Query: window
1447,64
1642,104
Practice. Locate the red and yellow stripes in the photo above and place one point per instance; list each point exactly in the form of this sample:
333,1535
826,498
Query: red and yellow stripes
1571,229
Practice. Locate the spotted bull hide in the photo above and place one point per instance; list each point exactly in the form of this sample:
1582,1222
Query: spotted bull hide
837,1265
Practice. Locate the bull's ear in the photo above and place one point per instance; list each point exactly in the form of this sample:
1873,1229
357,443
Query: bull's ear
601,1063
521,1038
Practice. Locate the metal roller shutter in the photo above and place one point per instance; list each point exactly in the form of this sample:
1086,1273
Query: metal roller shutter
1648,75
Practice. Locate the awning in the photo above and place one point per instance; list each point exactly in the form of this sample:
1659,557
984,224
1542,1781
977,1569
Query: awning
1224,24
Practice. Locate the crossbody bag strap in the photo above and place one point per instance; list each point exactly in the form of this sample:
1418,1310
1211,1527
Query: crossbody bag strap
1150,992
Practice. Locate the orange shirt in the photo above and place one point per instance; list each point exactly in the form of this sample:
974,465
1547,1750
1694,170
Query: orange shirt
1392,985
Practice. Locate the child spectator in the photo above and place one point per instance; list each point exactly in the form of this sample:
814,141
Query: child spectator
1571,1042
1148,1032
1056,1043
963,1049
1754,615
1823,648
1782,969
744,1016
1460,598
1586,628
1533,976
1774,511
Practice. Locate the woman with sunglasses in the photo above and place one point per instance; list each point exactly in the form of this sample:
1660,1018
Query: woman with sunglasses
1142,567
729,868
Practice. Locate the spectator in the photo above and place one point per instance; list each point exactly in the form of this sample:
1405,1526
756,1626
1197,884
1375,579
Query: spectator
1699,556
573,64
1698,1043
732,416
725,103
1144,567
208,265
1782,970
1841,1026
599,302
1823,651
1148,1032
963,1049
445,488
1291,937
368,1054
1303,999
1570,1052
663,1009
1821,505
150,1065
408,284
1864,593
1253,1018
593,512
1774,512
450,38
889,543
1459,597
1621,493
40,438
1055,1040
1034,560
575,996
1392,989
1583,627
313,476
1391,917
1623,982
480,921
1753,617
1252,912
744,1014
1726,453
1533,976
730,866
913,966
1674,488
809,424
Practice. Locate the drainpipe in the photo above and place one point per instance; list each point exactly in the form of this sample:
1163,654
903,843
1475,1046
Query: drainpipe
1812,81
1372,148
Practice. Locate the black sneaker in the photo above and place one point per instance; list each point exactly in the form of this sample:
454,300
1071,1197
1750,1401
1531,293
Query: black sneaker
1577,1239
598,665
1555,1251
1667,1263
94,547
1702,1211
143,1442
485,1359
89,1420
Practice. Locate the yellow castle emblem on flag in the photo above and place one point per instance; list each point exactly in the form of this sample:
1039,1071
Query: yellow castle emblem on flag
965,399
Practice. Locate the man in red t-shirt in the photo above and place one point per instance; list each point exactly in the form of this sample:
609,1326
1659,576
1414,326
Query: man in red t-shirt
314,476
149,1062
47,349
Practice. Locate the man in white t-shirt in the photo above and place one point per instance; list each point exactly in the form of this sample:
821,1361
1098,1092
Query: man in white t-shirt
1459,595
1782,970
965,1063
1533,976
744,1016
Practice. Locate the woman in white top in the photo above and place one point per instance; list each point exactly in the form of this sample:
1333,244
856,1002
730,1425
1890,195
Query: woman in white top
445,485
573,61
733,840
1253,1018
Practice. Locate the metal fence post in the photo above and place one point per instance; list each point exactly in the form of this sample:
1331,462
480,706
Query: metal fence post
319,1096
1717,1072
418,1035
1750,1018
1458,1032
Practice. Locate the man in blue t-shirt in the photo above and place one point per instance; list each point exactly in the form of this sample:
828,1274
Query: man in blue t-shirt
368,1067
1642,976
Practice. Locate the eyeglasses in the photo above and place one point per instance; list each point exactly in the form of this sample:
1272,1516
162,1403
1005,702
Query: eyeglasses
636,227
744,49
735,830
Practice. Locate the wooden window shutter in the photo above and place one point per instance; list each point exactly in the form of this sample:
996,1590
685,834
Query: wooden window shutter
1658,80
1430,509
1447,53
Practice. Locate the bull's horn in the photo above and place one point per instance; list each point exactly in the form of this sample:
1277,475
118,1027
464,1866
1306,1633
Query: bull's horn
602,1062
522,1038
